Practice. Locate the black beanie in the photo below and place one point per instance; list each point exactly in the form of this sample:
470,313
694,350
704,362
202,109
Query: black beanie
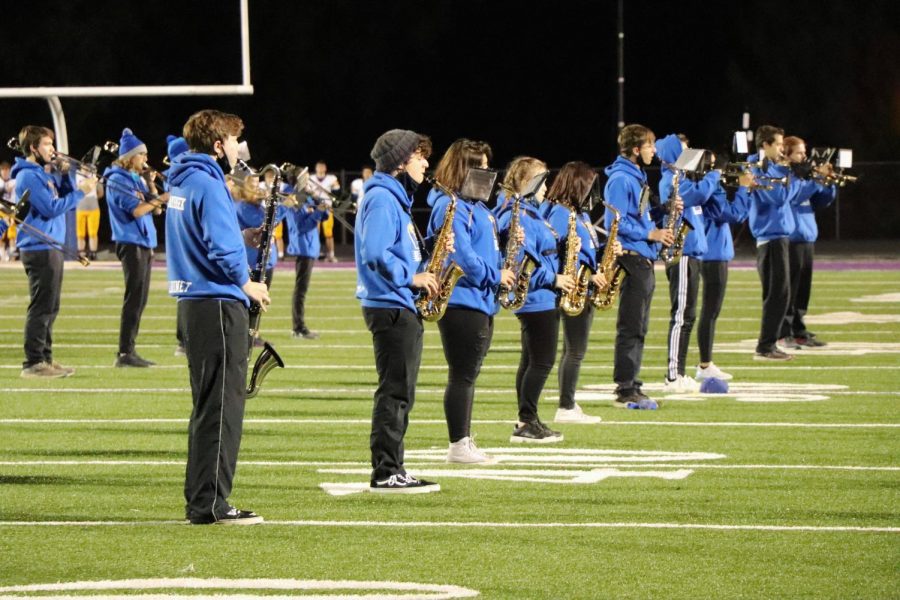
393,149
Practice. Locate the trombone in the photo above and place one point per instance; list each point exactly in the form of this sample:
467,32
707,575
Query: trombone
18,212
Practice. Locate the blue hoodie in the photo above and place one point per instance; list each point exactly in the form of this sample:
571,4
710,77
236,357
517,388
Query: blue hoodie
303,229
558,215
806,197
251,216
476,250
386,247
121,199
204,246
623,191
718,215
49,203
541,244
771,216
694,194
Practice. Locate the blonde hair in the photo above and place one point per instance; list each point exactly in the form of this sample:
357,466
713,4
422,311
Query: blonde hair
520,171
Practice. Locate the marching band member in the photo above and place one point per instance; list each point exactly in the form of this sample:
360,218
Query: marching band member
50,200
208,275
388,255
807,196
538,317
771,222
131,210
175,146
467,326
627,190
303,233
570,189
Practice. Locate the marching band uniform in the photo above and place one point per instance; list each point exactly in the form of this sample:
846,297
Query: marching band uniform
303,235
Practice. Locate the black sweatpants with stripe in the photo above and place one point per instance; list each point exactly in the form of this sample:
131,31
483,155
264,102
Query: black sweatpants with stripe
216,336
772,263
684,284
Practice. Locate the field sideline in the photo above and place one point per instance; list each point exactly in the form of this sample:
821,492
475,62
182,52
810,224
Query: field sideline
787,487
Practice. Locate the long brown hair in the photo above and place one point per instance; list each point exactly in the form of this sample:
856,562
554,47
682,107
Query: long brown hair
520,171
572,184
461,156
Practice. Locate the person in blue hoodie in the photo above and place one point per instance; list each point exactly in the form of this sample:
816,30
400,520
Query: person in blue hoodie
771,222
175,146
50,200
569,193
303,235
807,196
132,204
684,276
388,253
467,326
718,215
208,274
627,190
539,316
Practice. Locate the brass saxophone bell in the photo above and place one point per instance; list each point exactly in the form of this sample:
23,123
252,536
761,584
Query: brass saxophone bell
267,360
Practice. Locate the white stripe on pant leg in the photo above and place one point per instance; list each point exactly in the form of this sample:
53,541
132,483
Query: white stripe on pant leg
221,407
675,334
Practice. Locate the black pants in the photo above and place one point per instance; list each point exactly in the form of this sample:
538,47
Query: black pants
45,274
215,341
303,272
136,268
576,331
800,260
715,278
540,331
774,274
397,339
633,320
466,336
684,285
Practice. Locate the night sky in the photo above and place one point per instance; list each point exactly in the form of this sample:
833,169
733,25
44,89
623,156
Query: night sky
528,77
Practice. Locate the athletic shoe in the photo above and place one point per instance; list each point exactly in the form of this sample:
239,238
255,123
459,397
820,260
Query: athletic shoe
403,484
466,452
534,432
789,343
810,341
132,360
179,350
306,334
232,517
712,371
773,355
67,370
635,401
682,384
332,259
43,370
574,415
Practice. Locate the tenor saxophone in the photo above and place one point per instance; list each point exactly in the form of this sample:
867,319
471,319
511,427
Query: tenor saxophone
670,255
514,298
573,303
603,297
432,306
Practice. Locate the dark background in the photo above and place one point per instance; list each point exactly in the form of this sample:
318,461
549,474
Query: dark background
533,78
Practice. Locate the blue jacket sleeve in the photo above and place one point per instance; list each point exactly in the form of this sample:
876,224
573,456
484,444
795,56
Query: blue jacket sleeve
618,194
824,196
42,200
695,193
379,235
222,235
720,210
115,193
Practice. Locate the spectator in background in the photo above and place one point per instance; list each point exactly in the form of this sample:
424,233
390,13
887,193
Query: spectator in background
8,237
87,223
356,186
322,194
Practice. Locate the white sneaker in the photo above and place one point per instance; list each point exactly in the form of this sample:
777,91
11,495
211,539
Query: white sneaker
466,452
574,415
712,371
682,385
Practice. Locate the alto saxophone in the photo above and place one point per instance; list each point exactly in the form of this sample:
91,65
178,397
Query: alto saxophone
670,255
603,298
514,299
573,303
433,306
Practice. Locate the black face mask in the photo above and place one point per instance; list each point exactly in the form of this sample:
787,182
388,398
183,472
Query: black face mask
409,184
222,161
802,170
39,159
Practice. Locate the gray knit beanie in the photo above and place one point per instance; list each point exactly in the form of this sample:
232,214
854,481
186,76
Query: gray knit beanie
393,149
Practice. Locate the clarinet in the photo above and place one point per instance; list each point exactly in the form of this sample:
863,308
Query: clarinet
268,359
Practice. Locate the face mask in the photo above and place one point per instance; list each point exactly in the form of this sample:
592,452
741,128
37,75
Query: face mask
222,161
409,184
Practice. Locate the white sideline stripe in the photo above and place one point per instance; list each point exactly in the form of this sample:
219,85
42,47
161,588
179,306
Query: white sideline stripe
482,524
443,422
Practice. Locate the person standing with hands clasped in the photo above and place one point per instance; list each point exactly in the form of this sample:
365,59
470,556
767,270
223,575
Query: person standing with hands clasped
388,254
208,275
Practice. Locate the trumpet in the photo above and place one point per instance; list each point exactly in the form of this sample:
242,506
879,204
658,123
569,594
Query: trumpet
732,173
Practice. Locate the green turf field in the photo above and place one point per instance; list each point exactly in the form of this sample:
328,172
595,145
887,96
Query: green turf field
786,488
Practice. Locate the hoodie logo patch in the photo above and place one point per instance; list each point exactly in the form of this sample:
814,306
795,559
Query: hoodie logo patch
176,202
414,241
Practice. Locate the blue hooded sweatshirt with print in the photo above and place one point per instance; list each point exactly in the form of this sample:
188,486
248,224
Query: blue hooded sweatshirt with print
303,229
123,194
250,216
476,250
50,200
204,246
558,215
386,247
623,190
718,216
807,196
771,216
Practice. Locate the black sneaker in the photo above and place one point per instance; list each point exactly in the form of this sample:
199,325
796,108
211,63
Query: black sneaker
234,516
810,341
403,484
634,399
775,354
535,432
132,360
789,343
305,334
